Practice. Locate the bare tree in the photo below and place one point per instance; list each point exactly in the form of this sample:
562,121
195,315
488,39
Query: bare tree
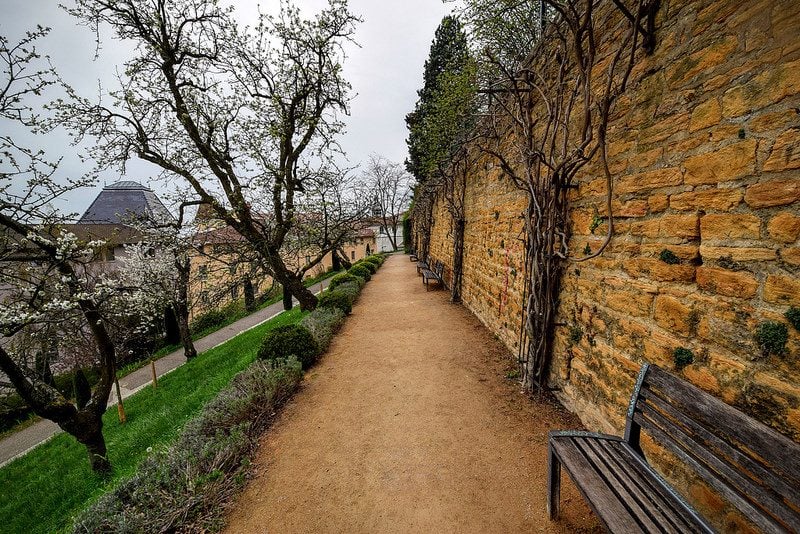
244,116
390,189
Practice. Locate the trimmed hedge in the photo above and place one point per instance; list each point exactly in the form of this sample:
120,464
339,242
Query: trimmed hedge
343,278
188,486
376,260
336,300
323,323
287,341
361,272
371,267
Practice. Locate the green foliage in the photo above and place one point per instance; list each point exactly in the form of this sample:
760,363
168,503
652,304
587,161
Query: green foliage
323,323
41,502
375,260
597,220
371,267
343,278
771,337
291,340
336,299
793,316
682,357
669,257
208,320
507,30
575,334
181,487
448,58
360,271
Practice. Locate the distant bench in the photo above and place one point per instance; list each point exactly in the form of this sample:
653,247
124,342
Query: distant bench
754,467
433,275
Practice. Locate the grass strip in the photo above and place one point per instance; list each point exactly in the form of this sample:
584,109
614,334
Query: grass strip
45,488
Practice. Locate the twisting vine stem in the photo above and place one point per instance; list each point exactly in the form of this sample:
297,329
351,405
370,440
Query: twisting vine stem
549,123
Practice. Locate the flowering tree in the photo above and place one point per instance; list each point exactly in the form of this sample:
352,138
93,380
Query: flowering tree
245,116
46,291
389,187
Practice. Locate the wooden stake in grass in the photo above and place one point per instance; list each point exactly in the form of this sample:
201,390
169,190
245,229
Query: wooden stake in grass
153,369
120,407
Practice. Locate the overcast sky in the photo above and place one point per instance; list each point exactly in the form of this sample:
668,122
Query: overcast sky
385,73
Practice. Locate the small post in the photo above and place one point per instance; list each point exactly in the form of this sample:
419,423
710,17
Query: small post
120,406
153,370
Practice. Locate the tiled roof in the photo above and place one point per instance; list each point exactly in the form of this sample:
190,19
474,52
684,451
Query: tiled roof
123,201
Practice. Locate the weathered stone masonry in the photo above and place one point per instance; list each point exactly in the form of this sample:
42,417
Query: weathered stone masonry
705,151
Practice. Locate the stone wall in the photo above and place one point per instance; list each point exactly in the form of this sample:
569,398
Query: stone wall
705,151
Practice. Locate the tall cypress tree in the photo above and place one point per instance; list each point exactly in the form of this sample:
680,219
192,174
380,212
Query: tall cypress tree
449,54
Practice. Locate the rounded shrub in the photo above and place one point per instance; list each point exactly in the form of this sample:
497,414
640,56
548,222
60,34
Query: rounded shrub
375,260
343,278
371,267
290,340
360,271
336,299
323,323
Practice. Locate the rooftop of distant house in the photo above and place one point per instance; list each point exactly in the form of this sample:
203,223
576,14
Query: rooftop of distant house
123,202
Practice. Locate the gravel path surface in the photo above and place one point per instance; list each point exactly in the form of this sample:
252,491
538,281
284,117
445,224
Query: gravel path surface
409,424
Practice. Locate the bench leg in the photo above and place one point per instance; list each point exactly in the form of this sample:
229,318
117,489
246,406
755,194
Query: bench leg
553,483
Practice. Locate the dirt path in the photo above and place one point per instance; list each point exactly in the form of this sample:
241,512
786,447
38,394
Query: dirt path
408,424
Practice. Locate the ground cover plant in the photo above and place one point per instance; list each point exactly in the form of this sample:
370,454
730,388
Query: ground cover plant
176,462
43,489
15,415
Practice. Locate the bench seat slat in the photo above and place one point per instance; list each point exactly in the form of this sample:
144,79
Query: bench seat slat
647,511
627,495
680,513
595,490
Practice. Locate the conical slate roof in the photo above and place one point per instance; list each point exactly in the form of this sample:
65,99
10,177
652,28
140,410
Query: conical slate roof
123,201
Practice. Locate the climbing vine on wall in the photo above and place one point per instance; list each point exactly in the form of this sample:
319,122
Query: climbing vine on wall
548,120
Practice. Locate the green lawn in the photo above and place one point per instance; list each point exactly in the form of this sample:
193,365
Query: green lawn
42,490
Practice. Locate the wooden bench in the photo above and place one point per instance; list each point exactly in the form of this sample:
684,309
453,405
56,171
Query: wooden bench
752,466
413,256
423,264
434,275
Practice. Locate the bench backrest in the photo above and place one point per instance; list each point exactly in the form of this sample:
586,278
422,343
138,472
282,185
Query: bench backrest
438,269
756,468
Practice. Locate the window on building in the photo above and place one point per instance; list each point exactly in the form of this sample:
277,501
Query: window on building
202,272
383,230
233,268
352,254
235,291
204,297
308,260
109,253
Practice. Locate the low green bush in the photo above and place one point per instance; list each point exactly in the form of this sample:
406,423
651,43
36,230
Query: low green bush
336,299
371,267
360,271
182,488
323,323
343,278
376,258
289,340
